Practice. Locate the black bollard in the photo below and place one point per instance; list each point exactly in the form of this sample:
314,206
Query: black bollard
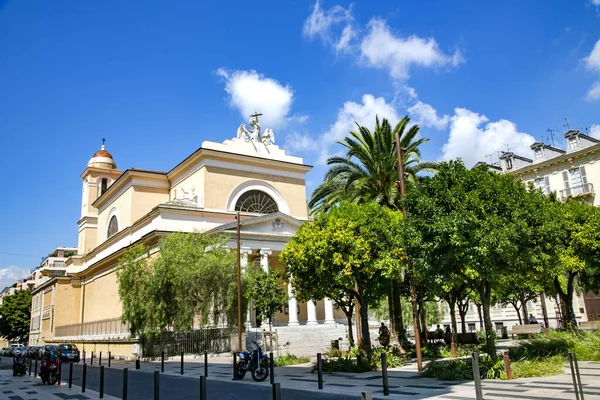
384,375
84,356
182,363
276,391
109,359
271,368
92,359
156,385
59,372
125,379
35,369
574,376
100,359
205,363
202,388
83,378
70,375
137,364
234,366
578,377
30,366
320,370
102,381
162,362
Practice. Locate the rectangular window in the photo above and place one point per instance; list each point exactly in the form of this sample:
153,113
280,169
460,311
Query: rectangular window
508,162
472,327
543,183
539,154
578,180
573,143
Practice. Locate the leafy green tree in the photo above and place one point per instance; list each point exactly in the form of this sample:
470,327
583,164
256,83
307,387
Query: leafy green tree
369,172
15,316
352,249
480,225
192,278
579,258
267,291
517,288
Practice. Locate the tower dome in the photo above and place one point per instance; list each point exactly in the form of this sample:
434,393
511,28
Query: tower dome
102,159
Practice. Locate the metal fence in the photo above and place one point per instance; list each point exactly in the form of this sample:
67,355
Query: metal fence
211,340
112,326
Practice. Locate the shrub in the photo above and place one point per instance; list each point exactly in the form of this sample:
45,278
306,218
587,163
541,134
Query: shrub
541,367
290,359
585,345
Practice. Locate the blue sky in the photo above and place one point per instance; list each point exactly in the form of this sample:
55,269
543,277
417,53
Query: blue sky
156,78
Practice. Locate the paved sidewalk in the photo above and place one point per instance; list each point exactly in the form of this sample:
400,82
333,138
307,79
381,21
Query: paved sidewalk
404,382
30,388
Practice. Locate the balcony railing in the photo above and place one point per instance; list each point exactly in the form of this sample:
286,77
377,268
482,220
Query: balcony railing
106,327
575,191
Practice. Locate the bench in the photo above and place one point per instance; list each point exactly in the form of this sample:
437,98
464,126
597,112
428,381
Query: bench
589,325
528,329
435,336
467,338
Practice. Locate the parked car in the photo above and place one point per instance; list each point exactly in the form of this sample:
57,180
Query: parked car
68,352
4,350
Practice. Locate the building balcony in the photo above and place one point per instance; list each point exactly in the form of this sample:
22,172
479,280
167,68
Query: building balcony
576,191
101,329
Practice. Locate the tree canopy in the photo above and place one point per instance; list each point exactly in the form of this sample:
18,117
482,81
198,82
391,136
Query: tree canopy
351,249
15,316
193,278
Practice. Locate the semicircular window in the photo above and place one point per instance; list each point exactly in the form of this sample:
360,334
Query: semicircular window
255,201
113,226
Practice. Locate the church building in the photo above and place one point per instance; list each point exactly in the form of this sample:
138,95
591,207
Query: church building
248,174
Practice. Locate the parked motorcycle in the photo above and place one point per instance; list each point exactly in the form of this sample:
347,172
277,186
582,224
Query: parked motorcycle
256,361
49,367
20,363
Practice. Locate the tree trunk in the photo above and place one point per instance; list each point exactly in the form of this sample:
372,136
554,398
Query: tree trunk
395,311
423,322
350,333
518,310
452,304
398,306
364,324
480,316
485,292
462,311
570,320
525,311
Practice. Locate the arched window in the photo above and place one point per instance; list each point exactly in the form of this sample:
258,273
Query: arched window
113,226
103,185
256,201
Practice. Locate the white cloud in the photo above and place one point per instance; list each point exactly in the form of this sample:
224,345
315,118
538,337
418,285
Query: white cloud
472,142
596,2
250,91
324,24
595,129
299,142
380,48
594,92
11,274
592,62
363,113
425,115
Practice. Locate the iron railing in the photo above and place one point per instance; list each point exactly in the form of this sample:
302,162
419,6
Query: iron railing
575,191
197,341
112,326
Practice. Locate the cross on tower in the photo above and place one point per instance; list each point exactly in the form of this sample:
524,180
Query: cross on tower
103,140
255,115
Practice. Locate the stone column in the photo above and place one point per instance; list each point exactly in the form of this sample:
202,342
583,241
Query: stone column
329,319
264,259
244,253
311,311
292,308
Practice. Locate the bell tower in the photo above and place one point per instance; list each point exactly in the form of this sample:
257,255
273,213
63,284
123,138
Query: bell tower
100,173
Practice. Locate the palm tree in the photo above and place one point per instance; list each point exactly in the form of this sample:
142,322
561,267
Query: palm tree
369,172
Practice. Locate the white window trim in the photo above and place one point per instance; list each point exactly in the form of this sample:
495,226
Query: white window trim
113,212
256,185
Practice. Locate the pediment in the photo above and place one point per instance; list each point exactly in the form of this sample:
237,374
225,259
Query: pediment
270,224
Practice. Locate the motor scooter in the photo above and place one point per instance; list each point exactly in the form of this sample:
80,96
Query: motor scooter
49,368
20,363
256,362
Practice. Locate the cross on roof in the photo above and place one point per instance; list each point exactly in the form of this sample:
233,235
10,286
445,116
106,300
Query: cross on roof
256,115
103,140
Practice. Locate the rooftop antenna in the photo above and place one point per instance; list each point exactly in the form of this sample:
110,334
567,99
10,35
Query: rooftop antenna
586,129
551,135
508,148
567,124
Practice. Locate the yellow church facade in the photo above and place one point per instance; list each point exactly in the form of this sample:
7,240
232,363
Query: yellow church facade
248,174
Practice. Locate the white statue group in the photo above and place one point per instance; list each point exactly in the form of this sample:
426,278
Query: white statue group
254,135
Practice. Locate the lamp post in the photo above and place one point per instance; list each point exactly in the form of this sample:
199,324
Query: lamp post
411,280
239,283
